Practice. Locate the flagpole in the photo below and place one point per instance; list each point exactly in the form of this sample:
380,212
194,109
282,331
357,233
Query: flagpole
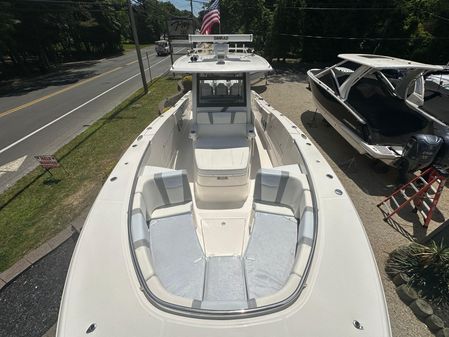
219,22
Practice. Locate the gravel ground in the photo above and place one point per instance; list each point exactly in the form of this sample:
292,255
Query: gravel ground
366,182
29,305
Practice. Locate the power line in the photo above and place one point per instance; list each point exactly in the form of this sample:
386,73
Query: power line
437,16
364,38
68,2
341,8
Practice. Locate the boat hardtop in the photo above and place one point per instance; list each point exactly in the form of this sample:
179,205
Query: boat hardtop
223,218
387,62
217,56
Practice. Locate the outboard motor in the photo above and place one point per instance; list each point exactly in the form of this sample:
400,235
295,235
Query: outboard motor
441,161
419,153
421,150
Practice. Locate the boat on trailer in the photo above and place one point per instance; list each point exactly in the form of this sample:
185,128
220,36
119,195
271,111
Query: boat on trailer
223,219
376,103
436,98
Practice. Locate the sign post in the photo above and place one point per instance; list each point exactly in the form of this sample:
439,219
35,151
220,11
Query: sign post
178,29
149,66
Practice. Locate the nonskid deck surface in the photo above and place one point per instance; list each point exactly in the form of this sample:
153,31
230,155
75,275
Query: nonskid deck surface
220,254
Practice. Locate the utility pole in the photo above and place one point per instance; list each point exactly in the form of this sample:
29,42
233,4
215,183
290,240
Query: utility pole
136,43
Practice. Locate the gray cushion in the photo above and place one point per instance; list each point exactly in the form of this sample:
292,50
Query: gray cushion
173,187
224,305
178,258
139,230
270,254
282,188
225,279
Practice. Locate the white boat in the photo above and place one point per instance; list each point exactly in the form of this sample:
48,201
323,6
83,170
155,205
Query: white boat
375,103
223,219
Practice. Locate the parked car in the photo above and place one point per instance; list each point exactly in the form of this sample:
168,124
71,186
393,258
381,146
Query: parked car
162,47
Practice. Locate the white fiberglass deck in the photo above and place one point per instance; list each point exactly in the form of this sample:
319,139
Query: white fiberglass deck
222,255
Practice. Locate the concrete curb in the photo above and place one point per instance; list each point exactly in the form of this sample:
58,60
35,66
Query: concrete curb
422,310
51,332
43,250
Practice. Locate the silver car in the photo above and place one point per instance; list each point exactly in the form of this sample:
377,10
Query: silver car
162,47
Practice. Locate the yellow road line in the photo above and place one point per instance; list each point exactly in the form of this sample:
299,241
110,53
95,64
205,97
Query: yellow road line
131,62
26,105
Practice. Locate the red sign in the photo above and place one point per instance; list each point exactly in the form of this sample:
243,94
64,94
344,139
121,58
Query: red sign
47,161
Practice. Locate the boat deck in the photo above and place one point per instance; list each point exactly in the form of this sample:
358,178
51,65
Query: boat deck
203,246
210,215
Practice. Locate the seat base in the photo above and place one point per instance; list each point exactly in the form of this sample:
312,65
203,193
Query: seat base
222,166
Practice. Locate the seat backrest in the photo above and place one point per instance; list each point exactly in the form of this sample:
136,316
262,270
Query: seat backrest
206,89
221,89
211,118
236,89
213,123
284,188
168,188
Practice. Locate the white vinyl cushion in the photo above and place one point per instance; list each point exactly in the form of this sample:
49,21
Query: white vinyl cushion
222,155
161,189
210,118
141,242
283,188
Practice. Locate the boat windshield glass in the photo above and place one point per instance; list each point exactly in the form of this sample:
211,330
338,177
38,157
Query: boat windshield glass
221,90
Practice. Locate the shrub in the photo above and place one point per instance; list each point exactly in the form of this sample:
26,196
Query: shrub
187,82
427,267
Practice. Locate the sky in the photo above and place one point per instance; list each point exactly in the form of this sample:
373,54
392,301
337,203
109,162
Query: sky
185,4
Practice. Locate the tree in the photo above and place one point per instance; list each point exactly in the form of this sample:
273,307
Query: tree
288,23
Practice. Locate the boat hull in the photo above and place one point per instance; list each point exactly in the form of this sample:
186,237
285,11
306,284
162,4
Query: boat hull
353,130
342,285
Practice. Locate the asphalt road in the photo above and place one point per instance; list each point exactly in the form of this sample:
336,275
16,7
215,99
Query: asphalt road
29,305
40,115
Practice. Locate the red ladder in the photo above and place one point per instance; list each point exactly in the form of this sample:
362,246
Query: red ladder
425,189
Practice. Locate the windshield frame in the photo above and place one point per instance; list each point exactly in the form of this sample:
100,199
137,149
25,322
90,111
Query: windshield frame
217,77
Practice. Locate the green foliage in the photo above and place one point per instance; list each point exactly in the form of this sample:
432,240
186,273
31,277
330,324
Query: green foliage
427,267
414,29
39,34
187,83
288,20
250,17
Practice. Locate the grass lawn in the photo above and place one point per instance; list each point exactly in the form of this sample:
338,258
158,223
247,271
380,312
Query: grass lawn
130,46
38,206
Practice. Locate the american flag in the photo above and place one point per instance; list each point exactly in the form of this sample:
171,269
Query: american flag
211,17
